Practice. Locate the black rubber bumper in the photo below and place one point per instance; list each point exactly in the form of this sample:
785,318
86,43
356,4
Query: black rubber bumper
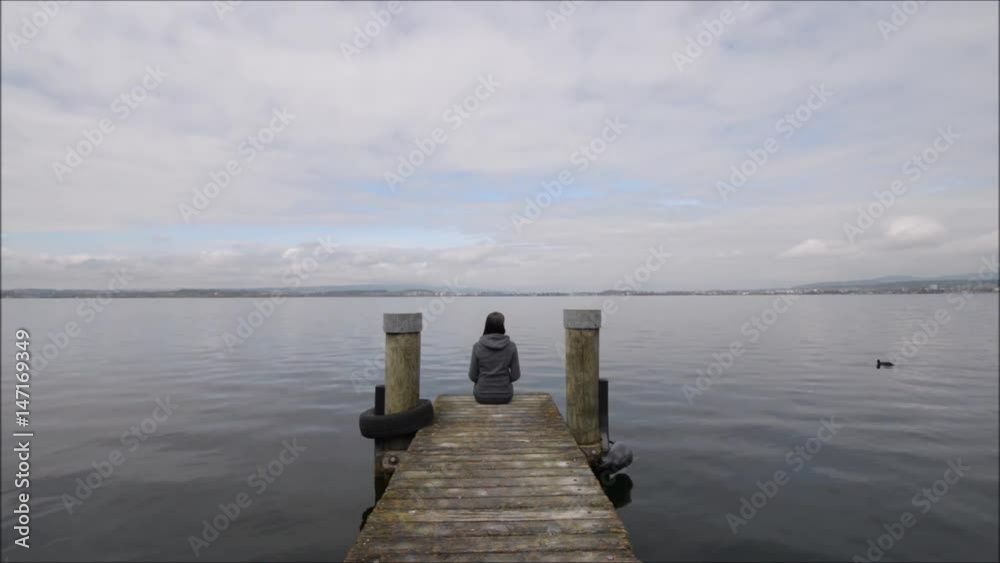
385,426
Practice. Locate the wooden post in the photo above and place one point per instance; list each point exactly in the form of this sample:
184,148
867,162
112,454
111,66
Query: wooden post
381,479
583,327
402,367
602,409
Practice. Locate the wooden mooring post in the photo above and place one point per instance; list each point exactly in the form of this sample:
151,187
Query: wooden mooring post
402,372
583,358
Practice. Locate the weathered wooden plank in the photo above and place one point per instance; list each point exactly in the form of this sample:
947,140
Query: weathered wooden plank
487,515
455,433
529,481
478,441
495,502
550,427
454,425
510,557
447,408
492,430
506,416
472,440
480,412
541,444
496,432
477,412
493,544
485,447
513,456
562,452
567,452
474,465
541,426
434,472
458,417
470,492
452,529
493,445
481,416
473,407
486,443
518,398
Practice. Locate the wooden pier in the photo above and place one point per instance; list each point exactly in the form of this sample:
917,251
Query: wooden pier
493,483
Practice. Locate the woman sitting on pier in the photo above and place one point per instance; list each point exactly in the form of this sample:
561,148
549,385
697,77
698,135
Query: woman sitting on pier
494,365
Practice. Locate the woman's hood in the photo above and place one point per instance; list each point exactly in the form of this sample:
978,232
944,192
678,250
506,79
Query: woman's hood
495,341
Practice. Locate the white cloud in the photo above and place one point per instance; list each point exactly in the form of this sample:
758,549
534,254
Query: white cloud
656,185
815,247
914,231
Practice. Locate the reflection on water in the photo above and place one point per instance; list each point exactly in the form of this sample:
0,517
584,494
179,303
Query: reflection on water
380,484
618,488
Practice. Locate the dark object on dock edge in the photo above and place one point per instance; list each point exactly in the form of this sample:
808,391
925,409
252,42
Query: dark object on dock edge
382,426
618,456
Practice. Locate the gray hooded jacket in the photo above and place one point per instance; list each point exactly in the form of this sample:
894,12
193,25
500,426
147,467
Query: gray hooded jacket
493,368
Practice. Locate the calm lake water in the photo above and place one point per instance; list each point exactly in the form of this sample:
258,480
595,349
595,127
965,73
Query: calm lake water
290,382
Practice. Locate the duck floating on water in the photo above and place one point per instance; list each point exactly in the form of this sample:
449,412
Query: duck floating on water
879,364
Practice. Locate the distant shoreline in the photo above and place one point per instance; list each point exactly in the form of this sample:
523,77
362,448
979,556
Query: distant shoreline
251,294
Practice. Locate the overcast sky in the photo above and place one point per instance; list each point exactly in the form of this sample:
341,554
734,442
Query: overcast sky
342,107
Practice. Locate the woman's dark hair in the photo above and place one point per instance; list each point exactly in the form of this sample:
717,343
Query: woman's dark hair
494,324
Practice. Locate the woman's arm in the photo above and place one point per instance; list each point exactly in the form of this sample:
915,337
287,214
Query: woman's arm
474,367
515,366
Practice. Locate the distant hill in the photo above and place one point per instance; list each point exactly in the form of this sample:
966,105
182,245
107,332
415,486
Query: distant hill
903,283
221,292
361,290
886,284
